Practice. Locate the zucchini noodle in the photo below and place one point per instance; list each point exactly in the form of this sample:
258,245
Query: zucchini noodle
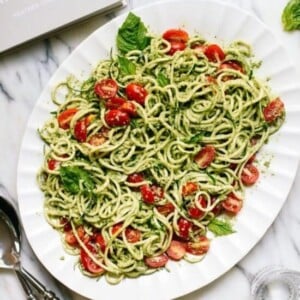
199,104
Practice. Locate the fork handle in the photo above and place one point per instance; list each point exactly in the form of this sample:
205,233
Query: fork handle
46,294
26,286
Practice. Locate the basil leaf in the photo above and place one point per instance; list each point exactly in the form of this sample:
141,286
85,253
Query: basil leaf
132,35
196,138
127,67
291,16
72,177
220,227
162,79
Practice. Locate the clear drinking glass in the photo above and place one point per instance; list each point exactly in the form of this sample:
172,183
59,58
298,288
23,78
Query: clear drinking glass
276,283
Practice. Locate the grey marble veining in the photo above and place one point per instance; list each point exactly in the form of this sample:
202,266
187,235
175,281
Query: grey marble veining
23,75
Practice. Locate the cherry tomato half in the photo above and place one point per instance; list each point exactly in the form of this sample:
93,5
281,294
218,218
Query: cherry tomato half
132,235
65,117
129,107
205,156
273,110
176,46
106,88
157,261
147,194
184,228
87,263
97,139
116,228
232,204
214,53
250,174
70,236
232,64
217,210
136,92
116,117
196,213
176,250
150,193
66,223
99,239
135,178
189,188
178,35
199,247
166,209
53,164
114,102
80,130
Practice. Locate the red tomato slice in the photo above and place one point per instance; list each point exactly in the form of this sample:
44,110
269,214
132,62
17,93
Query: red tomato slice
106,88
184,228
97,139
214,53
148,195
65,117
176,46
195,212
250,174
177,250
132,235
136,92
53,164
273,110
189,188
99,239
157,261
199,247
130,108
135,178
116,117
87,263
232,204
177,35
166,209
80,130
114,103
205,156
232,64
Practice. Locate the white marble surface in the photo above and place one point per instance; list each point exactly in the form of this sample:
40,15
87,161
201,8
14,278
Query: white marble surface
25,72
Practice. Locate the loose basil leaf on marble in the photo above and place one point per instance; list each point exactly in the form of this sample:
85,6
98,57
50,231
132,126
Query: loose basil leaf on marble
162,79
132,35
127,67
220,227
74,177
291,15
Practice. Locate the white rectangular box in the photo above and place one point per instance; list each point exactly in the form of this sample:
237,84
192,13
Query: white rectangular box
24,20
